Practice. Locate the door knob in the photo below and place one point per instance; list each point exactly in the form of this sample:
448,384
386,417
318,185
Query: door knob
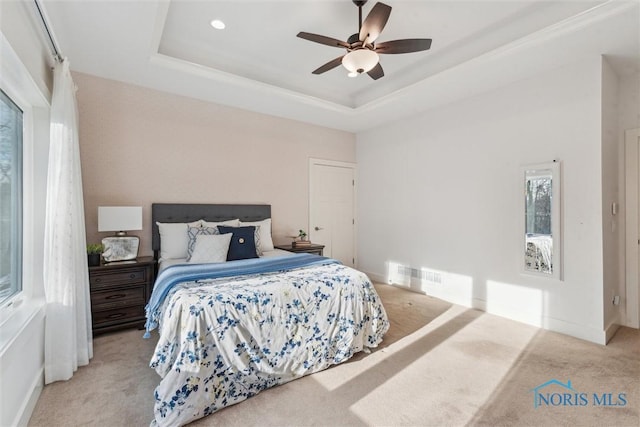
318,228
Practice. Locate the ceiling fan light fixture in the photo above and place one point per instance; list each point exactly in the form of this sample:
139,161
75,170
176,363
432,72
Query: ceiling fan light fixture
362,48
360,61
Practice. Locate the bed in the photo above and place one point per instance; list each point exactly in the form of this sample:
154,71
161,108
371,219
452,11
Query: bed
228,330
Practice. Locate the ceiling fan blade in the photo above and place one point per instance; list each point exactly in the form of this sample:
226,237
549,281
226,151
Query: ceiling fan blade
403,46
376,72
329,41
329,65
374,23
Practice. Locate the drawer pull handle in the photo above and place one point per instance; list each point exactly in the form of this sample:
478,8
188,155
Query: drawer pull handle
116,315
132,276
116,296
98,280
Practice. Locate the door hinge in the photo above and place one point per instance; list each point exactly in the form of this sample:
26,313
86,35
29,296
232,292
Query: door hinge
353,182
353,221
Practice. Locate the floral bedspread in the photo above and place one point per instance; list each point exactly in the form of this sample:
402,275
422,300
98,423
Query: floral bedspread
224,340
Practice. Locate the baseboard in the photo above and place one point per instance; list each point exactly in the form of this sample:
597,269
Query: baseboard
518,314
611,331
24,414
542,321
378,278
579,331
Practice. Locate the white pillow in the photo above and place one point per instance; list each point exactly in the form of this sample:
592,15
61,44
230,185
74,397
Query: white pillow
211,248
266,242
174,239
193,232
228,223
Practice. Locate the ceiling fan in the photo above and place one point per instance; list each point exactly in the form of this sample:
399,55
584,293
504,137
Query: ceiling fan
362,50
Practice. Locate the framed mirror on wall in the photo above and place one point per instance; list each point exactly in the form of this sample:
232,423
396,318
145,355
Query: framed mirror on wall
541,231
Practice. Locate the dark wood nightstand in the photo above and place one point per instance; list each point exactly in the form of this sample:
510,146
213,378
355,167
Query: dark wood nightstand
310,249
119,293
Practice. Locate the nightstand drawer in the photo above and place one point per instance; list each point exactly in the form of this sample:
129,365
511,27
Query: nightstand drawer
110,278
111,298
117,315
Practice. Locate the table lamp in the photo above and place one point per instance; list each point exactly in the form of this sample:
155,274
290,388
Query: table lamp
120,219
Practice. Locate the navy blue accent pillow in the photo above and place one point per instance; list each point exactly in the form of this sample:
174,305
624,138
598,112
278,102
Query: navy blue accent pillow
243,242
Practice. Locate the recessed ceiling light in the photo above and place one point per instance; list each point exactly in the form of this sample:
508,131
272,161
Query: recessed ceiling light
218,24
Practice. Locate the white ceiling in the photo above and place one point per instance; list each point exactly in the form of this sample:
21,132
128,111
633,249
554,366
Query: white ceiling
258,63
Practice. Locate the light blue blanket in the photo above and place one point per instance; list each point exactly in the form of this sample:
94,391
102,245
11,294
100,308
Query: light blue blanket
175,274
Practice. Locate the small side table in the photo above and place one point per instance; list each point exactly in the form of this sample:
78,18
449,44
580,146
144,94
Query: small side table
310,249
119,293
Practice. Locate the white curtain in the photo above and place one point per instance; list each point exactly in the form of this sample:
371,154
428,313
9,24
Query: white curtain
68,336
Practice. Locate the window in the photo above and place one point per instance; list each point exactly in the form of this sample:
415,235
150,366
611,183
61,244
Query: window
11,123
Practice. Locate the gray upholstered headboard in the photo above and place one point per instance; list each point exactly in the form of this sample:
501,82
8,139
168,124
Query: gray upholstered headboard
180,212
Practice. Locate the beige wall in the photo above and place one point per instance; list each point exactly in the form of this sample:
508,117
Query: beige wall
140,146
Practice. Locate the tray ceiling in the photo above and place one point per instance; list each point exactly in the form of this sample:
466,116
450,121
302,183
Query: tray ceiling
258,63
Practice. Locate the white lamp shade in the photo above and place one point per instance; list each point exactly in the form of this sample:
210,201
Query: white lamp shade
119,218
360,61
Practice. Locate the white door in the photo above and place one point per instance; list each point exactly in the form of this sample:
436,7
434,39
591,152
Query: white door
632,223
332,208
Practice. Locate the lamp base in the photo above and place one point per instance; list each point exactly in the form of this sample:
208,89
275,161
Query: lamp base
120,248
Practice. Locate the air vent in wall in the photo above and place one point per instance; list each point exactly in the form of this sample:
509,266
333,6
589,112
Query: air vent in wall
420,274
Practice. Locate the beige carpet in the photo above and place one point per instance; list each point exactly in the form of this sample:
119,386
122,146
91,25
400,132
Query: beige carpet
439,365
